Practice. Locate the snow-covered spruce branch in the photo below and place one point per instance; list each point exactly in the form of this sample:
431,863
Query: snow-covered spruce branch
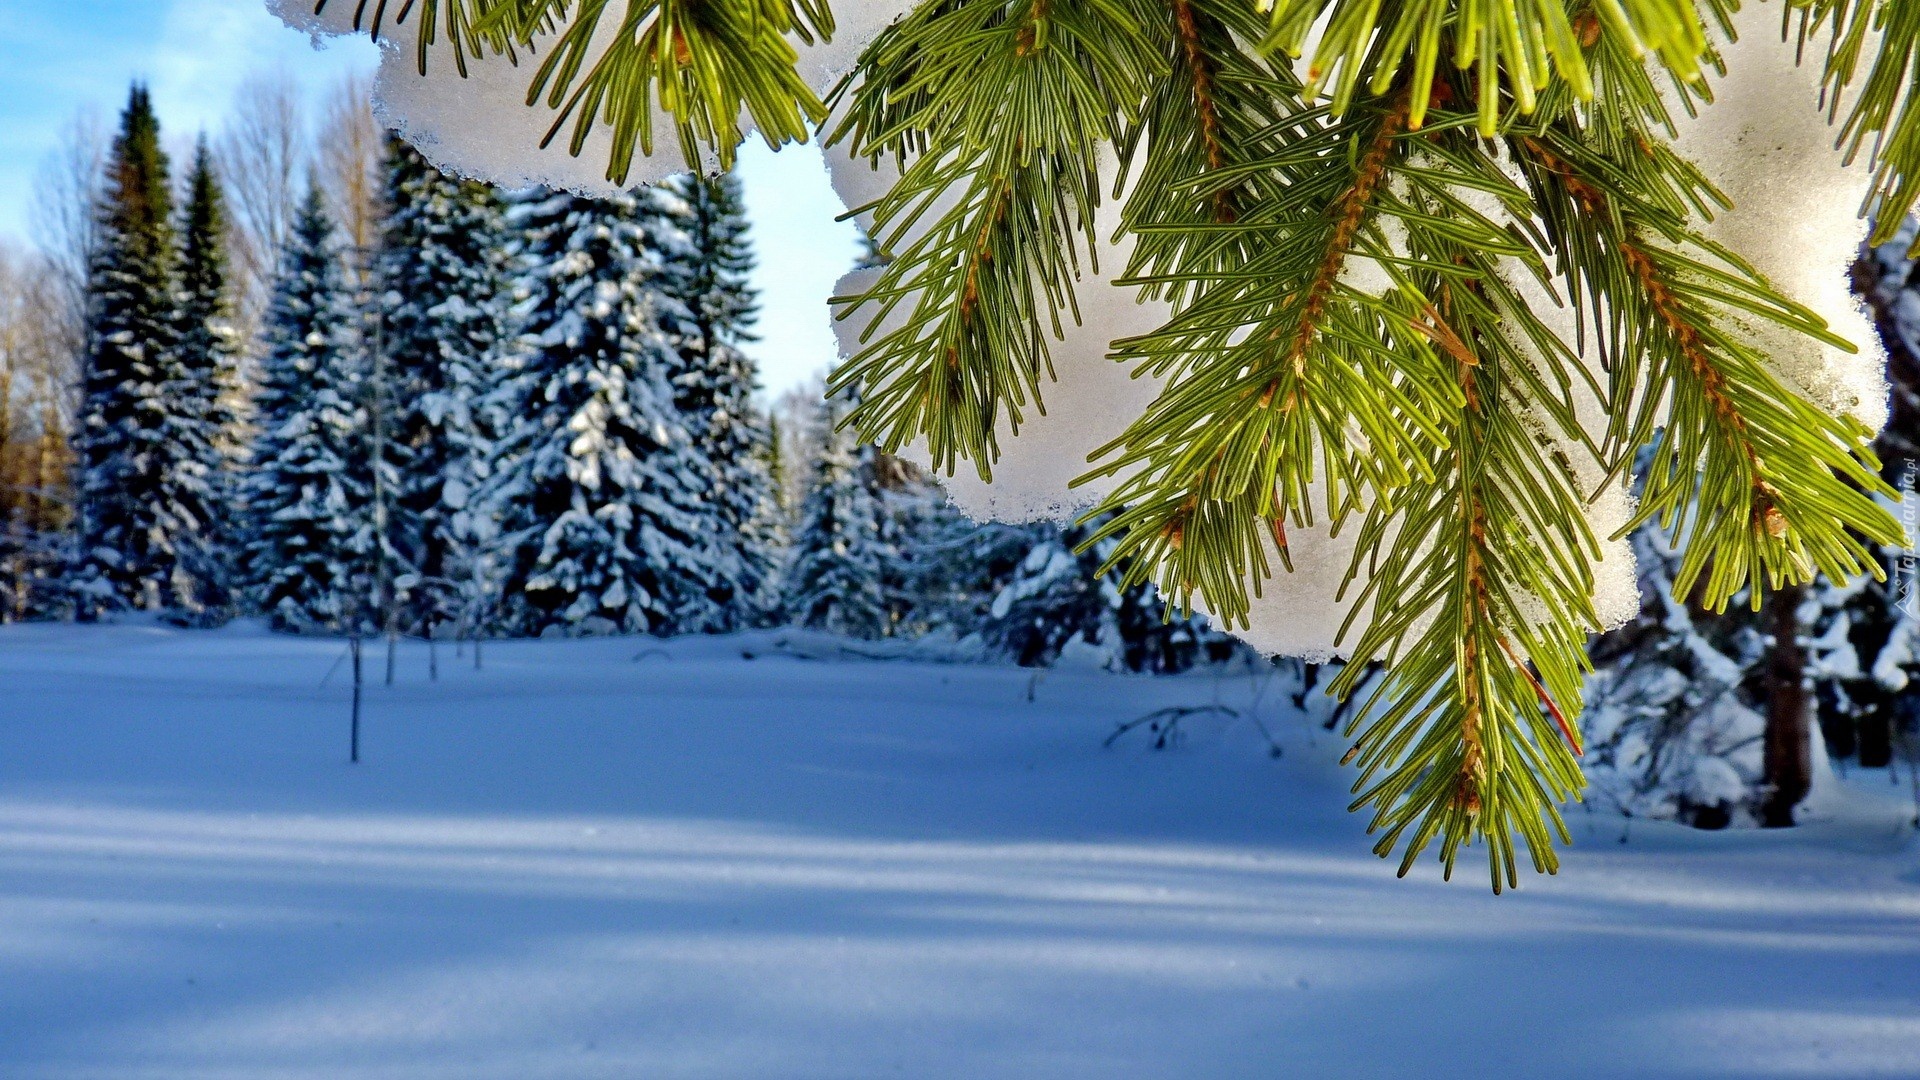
705,64
706,61
1008,183
700,65
1883,119
1757,483
1515,51
1221,106
1305,368
1461,740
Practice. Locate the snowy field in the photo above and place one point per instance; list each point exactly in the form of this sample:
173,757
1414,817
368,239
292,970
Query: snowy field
574,864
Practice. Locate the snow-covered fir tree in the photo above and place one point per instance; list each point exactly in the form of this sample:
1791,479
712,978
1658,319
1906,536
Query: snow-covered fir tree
942,567
1036,593
715,389
124,548
880,551
1864,634
1053,601
1671,730
1684,698
444,309
309,495
1058,599
200,440
843,552
601,491
1861,661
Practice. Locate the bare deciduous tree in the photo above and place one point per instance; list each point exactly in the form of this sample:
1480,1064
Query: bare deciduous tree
799,422
263,158
347,166
64,223
36,380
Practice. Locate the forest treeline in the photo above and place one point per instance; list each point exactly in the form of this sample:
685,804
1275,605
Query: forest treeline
311,379
389,400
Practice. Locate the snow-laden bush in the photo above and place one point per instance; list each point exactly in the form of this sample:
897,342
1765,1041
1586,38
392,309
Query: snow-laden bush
1669,732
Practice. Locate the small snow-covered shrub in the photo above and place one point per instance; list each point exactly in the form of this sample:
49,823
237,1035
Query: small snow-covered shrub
1669,731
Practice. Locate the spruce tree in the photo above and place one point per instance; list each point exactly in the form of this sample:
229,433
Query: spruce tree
1683,697
1674,726
1054,600
1864,635
842,555
601,491
124,555
1065,594
1397,274
940,566
310,543
201,440
1033,593
444,304
715,391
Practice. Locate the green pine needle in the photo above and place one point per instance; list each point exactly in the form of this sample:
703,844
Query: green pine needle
702,62
1006,186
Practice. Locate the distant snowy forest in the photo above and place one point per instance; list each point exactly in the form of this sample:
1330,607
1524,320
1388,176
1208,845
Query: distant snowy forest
311,379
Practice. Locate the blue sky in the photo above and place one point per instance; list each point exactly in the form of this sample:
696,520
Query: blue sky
61,57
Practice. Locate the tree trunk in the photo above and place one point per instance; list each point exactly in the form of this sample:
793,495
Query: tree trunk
1840,728
1789,736
353,753
1875,743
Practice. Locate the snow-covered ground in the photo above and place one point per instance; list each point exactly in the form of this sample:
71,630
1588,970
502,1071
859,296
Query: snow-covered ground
576,864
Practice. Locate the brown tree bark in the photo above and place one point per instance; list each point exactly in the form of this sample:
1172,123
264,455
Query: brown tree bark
1789,736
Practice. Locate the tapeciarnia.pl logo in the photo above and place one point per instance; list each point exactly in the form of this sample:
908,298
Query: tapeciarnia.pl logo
1907,586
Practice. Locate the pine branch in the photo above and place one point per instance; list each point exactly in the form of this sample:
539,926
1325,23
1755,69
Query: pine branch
1220,108
1757,484
1885,113
1313,370
988,227
707,60
473,29
703,62
1461,741
1516,50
